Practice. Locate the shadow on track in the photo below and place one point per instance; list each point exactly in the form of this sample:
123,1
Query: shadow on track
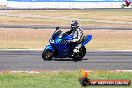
67,59
106,62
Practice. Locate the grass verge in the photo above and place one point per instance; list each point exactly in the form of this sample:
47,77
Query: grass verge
57,79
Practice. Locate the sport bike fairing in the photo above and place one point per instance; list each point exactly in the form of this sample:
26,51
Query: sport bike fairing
59,43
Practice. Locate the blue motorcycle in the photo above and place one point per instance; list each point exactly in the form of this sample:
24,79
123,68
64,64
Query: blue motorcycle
59,47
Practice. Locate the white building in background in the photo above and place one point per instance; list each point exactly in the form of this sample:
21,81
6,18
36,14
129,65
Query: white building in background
65,4
3,2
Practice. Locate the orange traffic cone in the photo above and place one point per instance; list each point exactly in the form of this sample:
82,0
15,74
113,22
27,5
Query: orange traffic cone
84,74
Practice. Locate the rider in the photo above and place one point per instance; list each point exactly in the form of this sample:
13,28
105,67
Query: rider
127,3
77,34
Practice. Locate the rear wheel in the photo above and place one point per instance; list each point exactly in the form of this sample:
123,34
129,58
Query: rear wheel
78,56
47,54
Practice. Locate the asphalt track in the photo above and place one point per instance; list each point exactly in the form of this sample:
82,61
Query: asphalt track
62,27
94,60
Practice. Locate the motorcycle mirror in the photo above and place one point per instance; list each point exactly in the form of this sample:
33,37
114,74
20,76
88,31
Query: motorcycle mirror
57,28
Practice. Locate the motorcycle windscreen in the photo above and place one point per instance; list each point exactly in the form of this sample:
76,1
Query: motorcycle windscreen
86,39
56,34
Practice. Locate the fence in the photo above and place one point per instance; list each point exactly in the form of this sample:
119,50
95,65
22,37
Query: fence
65,3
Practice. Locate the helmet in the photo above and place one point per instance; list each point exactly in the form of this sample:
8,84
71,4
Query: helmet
74,24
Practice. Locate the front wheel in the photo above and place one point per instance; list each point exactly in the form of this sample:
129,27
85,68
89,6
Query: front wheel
47,54
122,6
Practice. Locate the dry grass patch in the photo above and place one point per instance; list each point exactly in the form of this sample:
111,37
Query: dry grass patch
55,22
110,40
35,21
64,17
24,38
121,15
38,38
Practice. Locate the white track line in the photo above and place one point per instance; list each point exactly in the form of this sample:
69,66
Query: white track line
121,70
68,71
21,49
25,72
41,71
87,50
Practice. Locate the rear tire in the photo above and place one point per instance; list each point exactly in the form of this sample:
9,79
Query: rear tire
47,54
78,56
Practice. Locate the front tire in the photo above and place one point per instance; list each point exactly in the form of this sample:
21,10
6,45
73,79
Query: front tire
122,6
47,54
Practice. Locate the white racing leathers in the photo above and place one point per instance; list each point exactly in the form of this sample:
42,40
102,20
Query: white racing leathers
77,38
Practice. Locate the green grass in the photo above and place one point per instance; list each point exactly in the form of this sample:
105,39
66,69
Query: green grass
57,79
